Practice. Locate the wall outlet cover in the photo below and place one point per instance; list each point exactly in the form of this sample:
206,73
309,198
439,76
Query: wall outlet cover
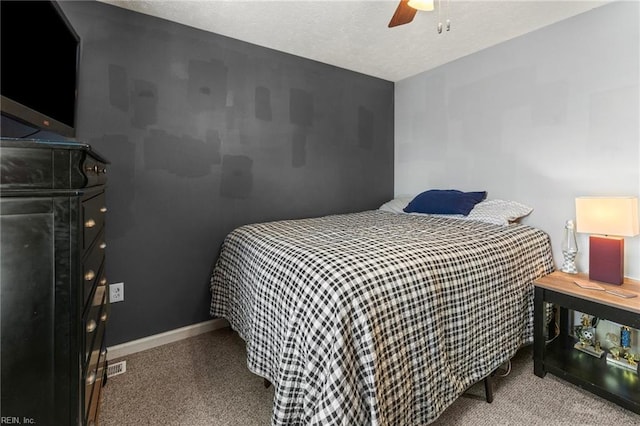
116,292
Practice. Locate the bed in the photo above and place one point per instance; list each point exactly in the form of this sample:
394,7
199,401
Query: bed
377,317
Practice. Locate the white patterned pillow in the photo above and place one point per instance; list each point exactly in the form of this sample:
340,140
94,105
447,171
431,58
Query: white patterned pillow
396,205
499,212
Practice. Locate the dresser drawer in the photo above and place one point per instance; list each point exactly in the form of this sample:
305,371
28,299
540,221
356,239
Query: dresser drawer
93,212
93,385
92,271
25,168
95,171
91,410
94,324
96,368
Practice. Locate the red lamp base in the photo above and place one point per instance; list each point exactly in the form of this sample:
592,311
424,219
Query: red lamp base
606,259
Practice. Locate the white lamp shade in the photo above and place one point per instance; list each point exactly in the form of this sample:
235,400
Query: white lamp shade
615,216
426,5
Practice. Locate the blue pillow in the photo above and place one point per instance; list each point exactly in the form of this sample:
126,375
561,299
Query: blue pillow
441,201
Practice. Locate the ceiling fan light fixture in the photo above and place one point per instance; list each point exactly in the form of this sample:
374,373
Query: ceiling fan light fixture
426,5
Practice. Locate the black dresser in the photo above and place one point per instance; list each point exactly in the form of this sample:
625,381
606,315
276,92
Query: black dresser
54,294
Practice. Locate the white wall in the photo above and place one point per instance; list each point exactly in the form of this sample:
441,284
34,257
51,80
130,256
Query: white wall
540,119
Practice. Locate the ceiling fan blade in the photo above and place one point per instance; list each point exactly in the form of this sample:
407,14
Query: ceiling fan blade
403,14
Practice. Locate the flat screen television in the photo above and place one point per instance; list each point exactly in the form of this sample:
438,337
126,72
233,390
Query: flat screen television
39,58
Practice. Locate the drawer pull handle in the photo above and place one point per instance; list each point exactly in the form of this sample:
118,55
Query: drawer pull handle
103,246
104,316
90,223
91,326
91,378
103,281
103,209
90,275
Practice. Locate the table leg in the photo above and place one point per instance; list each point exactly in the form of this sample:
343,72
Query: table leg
538,332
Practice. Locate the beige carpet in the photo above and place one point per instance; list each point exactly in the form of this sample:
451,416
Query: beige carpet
203,380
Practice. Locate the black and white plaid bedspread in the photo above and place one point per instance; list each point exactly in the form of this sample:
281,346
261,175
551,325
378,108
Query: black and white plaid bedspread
375,317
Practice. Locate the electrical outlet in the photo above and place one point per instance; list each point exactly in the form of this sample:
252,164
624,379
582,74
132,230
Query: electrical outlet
116,292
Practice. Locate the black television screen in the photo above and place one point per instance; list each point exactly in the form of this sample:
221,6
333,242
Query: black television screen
39,60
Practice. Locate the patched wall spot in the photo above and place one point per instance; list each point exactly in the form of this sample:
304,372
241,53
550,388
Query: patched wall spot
237,176
145,104
299,149
118,88
300,107
365,128
181,156
263,103
207,85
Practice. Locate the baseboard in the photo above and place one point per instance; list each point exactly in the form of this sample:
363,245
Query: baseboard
128,348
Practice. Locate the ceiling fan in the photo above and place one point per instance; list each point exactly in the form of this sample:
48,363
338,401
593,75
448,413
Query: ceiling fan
407,9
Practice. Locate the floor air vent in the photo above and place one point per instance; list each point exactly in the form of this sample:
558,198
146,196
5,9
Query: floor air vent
116,368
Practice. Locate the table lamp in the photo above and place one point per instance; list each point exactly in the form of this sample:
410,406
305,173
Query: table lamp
611,218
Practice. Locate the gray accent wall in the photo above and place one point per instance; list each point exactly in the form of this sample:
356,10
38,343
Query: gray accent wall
540,119
207,133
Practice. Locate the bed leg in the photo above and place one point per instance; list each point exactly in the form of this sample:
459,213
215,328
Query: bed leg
488,388
266,383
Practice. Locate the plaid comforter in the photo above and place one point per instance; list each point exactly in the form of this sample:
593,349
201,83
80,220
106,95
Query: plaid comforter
375,317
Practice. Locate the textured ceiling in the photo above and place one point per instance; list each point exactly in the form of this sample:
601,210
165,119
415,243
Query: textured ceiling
353,34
